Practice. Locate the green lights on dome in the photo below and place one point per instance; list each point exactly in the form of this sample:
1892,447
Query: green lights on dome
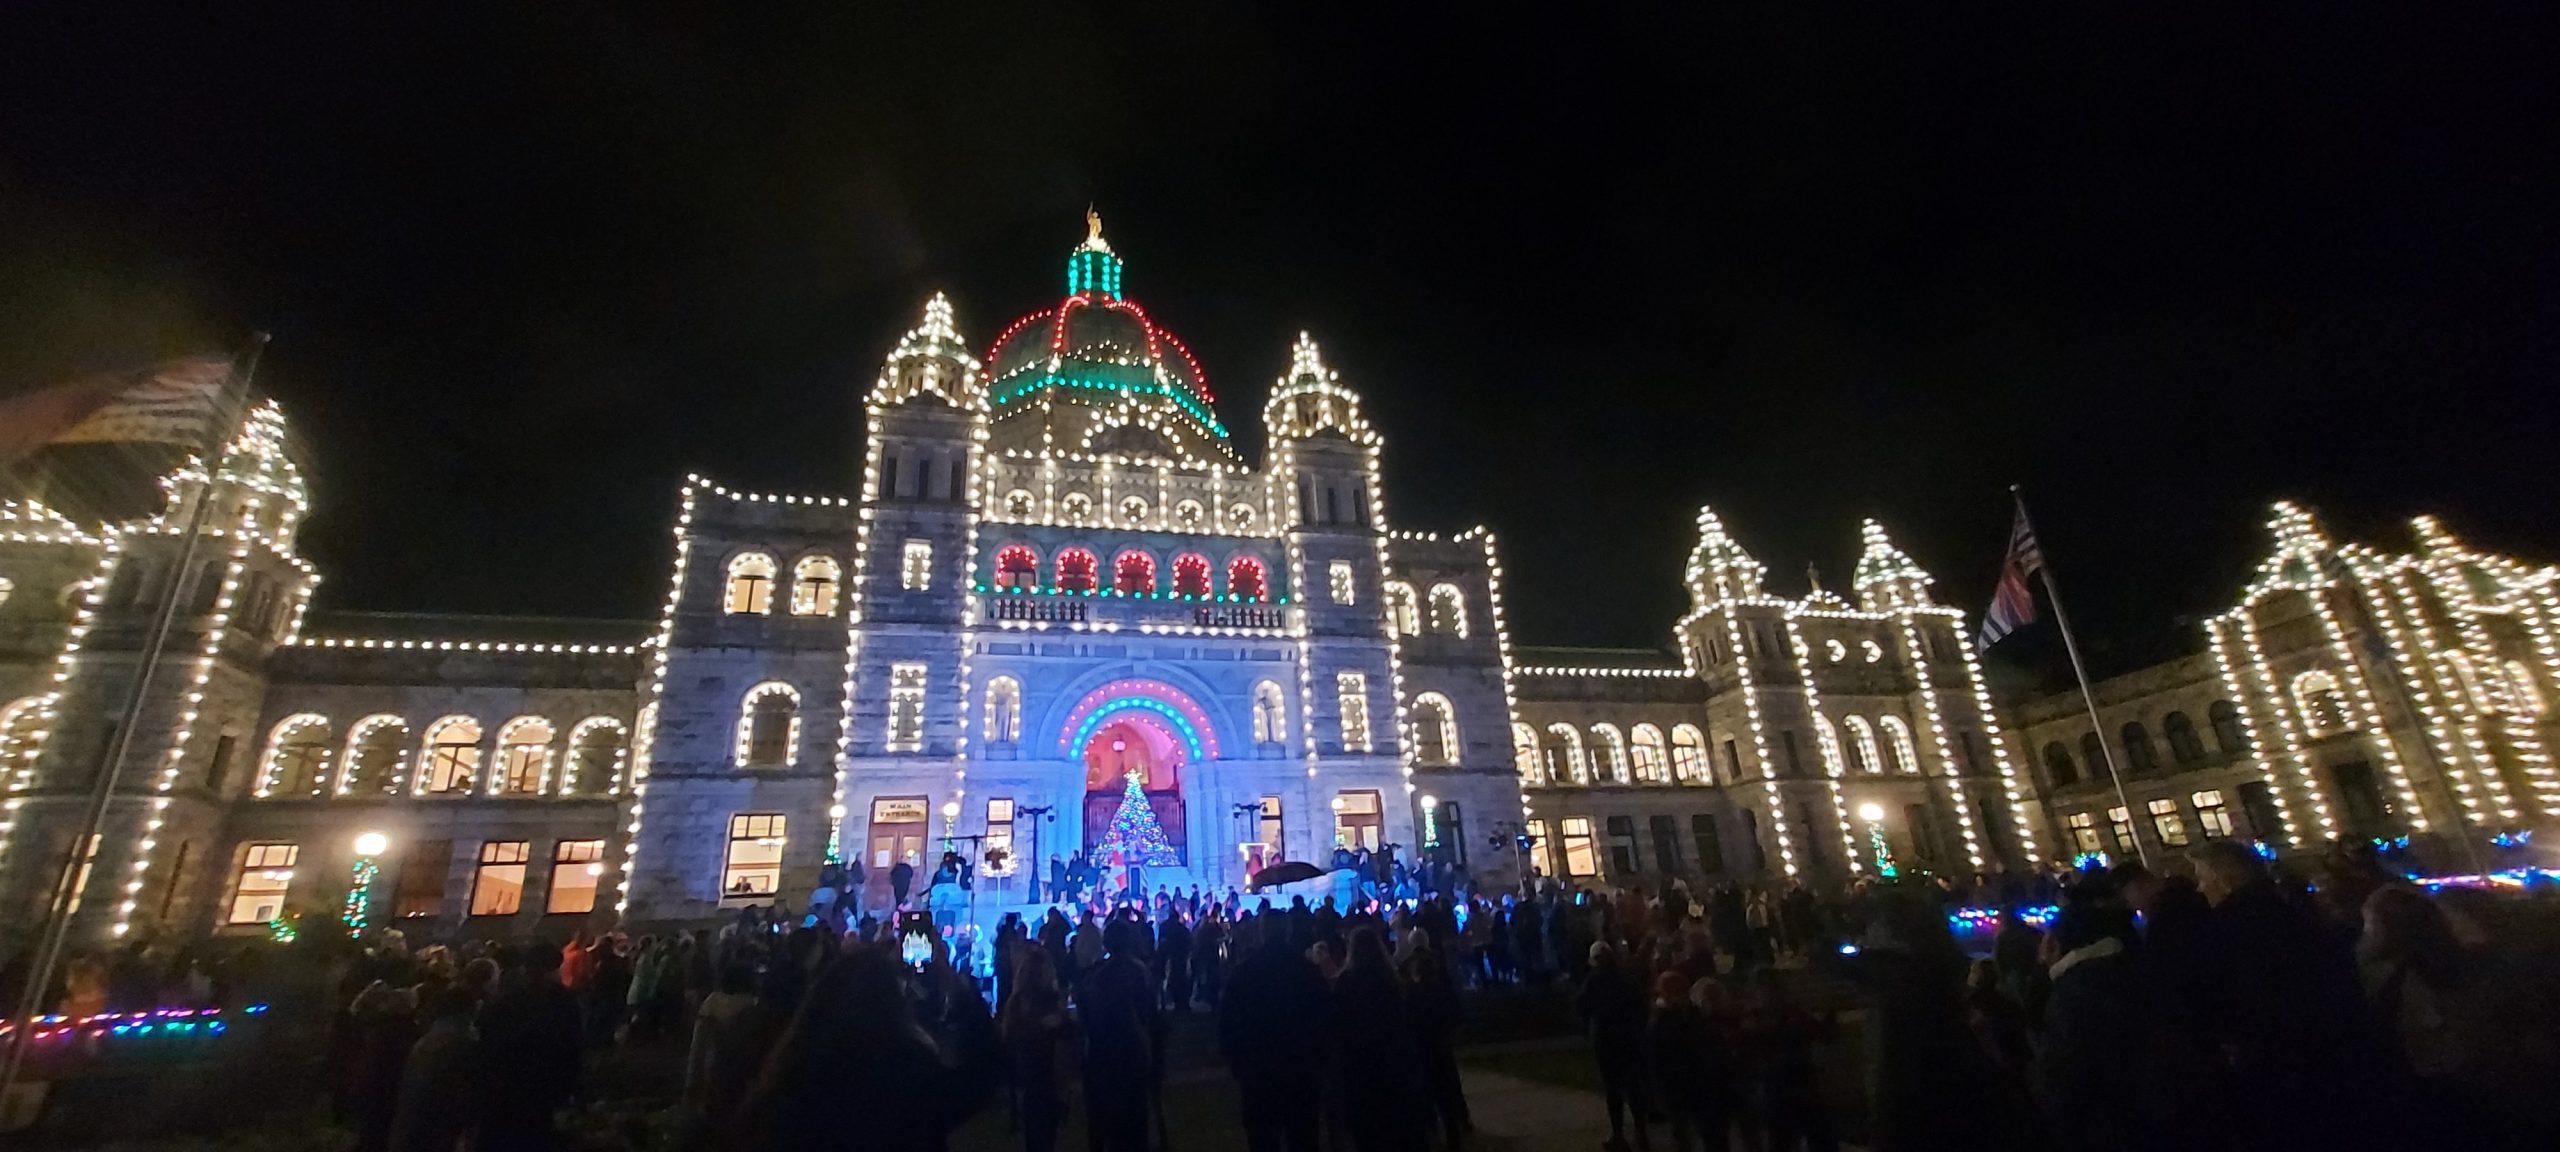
1094,270
1029,383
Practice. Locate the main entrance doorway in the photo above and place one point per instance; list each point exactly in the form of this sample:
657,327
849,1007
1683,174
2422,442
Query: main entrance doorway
1135,743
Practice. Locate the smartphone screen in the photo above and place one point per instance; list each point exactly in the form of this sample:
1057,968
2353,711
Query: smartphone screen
915,938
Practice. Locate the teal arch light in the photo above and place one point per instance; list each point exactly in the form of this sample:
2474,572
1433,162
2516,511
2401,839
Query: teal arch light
1191,739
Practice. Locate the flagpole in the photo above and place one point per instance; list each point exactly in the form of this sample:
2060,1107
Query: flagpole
2061,620
229,406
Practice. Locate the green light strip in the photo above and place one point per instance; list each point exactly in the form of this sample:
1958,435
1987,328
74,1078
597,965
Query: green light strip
1177,395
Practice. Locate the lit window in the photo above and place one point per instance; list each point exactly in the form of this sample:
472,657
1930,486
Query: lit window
813,585
2323,707
1906,757
1579,857
1435,729
1358,821
1075,570
1564,761
1134,573
1689,754
576,868
769,726
452,755
1525,757
1536,831
266,872
1244,578
1004,710
1404,618
753,866
1338,578
2120,822
906,707
1448,610
1646,748
1000,834
750,584
1271,829
915,565
524,757
497,887
1351,697
80,877
595,755
1609,753
2212,815
1862,743
5,588
1270,714
1190,575
2084,832
2165,821
297,756
1017,566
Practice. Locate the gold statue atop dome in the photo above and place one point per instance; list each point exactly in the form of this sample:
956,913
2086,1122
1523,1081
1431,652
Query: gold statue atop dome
1092,225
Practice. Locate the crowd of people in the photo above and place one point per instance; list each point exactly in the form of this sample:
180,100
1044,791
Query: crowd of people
2213,1004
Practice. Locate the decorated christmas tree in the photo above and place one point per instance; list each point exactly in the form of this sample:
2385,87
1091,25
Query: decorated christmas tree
1135,836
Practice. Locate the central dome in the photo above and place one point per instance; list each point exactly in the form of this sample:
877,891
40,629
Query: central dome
1101,375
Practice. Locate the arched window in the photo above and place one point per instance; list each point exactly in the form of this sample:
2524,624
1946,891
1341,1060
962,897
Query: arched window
1075,570
524,757
1525,754
1688,754
2059,769
2227,733
1270,714
2465,676
1404,616
1608,753
1244,579
375,746
1448,610
595,755
2185,746
1826,738
1017,566
2323,707
452,755
1004,710
1435,729
22,729
813,585
769,726
1190,575
1645,745
1862,743
297,757
1134,573
2093,752
750,584
2138,756
1564,761
1897,744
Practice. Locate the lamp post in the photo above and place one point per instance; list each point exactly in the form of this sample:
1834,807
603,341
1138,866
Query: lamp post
369,847
1873,814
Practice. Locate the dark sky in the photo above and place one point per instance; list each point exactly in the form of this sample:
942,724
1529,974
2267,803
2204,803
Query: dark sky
526,265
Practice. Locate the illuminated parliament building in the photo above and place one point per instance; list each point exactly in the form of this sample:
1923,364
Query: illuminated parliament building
1052,571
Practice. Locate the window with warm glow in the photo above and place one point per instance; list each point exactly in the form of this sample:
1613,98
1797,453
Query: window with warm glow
1271,831
497,886
1609,753
1435,729
1000,832
1580,857
266,874
814,581
2166,823
524,756
753,867
2322,705
2084,832
1540,856
906,707
1017,566
80,875
1358,820
452,756
1525,755
2120,822
1564,760
1688,754
1404,615
1645,749
297,757
750,584
577,866
2212,815
1351,699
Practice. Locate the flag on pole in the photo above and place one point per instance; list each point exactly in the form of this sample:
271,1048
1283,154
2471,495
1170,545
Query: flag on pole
172,402
2013,603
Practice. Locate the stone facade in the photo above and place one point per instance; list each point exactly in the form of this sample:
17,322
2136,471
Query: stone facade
1056,574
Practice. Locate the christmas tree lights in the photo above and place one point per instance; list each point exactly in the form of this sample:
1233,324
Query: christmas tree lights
1135,837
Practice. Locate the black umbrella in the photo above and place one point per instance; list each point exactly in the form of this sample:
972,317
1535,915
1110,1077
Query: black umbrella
1285,872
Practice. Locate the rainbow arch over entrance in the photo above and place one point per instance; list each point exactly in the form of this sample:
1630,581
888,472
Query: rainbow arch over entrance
1160,702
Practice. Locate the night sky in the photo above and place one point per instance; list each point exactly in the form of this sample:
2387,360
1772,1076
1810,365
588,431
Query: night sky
527,265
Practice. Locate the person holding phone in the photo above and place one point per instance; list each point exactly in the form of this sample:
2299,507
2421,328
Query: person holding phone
911,1051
